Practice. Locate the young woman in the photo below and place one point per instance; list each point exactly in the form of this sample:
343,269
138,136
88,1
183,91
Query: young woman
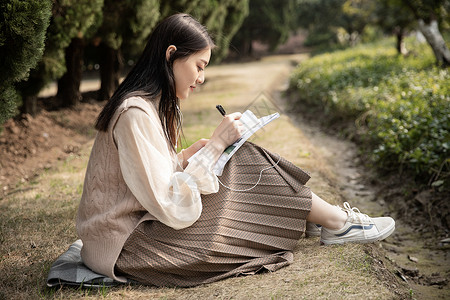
149,215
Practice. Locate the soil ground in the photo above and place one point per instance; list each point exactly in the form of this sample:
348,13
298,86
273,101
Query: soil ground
43,160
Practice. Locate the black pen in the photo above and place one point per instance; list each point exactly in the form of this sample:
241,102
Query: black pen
221,110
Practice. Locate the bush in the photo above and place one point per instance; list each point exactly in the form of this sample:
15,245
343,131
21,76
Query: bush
23,25
401,105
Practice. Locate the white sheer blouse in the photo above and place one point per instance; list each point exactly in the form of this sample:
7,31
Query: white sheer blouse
154,174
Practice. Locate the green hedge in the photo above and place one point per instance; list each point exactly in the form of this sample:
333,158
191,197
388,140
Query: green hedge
400,105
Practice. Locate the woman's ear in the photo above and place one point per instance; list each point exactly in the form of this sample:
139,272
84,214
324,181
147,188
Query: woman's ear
170,50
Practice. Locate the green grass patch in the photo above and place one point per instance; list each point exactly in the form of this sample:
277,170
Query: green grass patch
398,107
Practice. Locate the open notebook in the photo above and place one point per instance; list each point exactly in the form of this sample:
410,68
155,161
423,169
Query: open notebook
252,124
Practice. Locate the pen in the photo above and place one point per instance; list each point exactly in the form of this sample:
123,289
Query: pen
221,110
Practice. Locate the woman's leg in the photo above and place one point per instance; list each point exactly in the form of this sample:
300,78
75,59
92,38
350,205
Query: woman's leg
325,214
343,225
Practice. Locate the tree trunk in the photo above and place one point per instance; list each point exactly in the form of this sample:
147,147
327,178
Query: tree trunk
436,41
248,48
29,105
400,34
247,44
69,84
110,69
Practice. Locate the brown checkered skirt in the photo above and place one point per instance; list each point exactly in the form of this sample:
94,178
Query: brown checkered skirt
239,232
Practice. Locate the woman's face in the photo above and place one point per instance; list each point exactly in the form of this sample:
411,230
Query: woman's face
190,72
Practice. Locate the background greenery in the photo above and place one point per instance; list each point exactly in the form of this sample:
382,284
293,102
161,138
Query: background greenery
398,107
398,96
391,95
45,41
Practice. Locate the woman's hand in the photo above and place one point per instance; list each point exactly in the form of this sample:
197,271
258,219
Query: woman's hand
192,149
228,131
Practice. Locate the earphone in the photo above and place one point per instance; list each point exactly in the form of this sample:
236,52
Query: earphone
260,176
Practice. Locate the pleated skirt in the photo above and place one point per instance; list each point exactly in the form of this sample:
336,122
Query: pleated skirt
252,224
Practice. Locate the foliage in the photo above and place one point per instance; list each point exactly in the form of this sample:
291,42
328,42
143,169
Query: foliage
401,105
356,14
319,17
128,23
124,27
224,23
427,9
430,17
269,22
70,19
22,33
222,18
333,21
390,15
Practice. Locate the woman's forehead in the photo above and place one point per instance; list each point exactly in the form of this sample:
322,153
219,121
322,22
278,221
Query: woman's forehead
203,55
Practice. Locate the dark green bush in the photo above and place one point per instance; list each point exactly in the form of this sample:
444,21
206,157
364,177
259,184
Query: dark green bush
401,105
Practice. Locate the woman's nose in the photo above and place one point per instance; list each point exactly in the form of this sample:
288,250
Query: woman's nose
201,78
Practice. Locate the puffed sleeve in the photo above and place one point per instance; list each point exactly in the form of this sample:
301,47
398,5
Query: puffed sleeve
146,164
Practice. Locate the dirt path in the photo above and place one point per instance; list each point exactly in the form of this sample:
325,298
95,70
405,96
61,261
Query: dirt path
37,215
419,259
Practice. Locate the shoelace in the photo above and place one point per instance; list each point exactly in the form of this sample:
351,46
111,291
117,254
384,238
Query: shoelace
356,214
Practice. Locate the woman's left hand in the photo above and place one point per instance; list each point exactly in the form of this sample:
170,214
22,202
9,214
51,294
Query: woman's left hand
192,149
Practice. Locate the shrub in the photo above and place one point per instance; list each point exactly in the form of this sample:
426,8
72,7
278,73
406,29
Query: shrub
401,105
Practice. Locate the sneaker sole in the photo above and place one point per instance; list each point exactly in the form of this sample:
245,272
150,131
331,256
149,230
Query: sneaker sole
309,234
382,235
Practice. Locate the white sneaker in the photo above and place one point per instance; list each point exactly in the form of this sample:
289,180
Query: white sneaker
359,228
313,230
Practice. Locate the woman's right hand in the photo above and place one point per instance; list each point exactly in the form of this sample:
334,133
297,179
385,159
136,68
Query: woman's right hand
228,131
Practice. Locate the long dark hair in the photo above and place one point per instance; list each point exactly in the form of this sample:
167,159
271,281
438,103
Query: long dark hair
152,76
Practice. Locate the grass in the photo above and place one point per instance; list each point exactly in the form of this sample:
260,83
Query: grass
37,223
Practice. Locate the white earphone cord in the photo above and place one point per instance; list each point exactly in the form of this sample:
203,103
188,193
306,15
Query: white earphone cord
260,176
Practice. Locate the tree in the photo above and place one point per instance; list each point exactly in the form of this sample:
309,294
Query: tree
22,33
320,18
429,13
126,24
269,22
356,14
335,21
394,19
88,15
125,28
222,18
70,18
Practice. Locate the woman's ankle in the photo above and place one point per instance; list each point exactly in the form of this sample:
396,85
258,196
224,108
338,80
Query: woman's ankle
337,222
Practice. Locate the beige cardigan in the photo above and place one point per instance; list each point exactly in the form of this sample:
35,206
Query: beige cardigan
133,176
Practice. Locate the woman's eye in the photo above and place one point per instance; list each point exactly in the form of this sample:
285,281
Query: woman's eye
200,69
